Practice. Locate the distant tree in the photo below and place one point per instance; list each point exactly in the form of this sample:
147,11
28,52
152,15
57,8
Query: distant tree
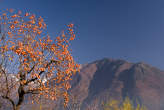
37,64
127,104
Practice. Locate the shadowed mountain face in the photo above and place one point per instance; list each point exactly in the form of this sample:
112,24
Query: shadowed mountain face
108,78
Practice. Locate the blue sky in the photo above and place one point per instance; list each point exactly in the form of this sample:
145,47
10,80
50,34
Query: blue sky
126,29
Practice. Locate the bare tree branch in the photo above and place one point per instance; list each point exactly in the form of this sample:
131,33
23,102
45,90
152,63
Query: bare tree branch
41,72
10,100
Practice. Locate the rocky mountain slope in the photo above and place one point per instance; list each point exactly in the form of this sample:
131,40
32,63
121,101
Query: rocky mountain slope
107,78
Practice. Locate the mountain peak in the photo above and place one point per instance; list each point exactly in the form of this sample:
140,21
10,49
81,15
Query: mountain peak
116,78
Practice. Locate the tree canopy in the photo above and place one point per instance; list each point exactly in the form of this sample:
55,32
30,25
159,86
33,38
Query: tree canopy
30,61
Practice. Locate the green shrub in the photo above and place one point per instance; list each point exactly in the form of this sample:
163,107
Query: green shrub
127,104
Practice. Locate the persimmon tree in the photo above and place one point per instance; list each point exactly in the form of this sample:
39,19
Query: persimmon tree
31,62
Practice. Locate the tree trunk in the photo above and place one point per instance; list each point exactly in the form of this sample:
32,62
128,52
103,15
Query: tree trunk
14,107
21,94
17,107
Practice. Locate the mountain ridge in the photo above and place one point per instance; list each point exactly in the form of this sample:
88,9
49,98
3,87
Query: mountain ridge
114,78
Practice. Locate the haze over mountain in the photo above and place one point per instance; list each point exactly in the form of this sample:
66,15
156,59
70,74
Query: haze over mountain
108,78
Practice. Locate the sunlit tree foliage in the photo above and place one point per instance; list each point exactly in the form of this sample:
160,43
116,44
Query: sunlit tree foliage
31,62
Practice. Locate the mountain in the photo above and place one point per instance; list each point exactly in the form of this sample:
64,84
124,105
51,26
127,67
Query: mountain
108,78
